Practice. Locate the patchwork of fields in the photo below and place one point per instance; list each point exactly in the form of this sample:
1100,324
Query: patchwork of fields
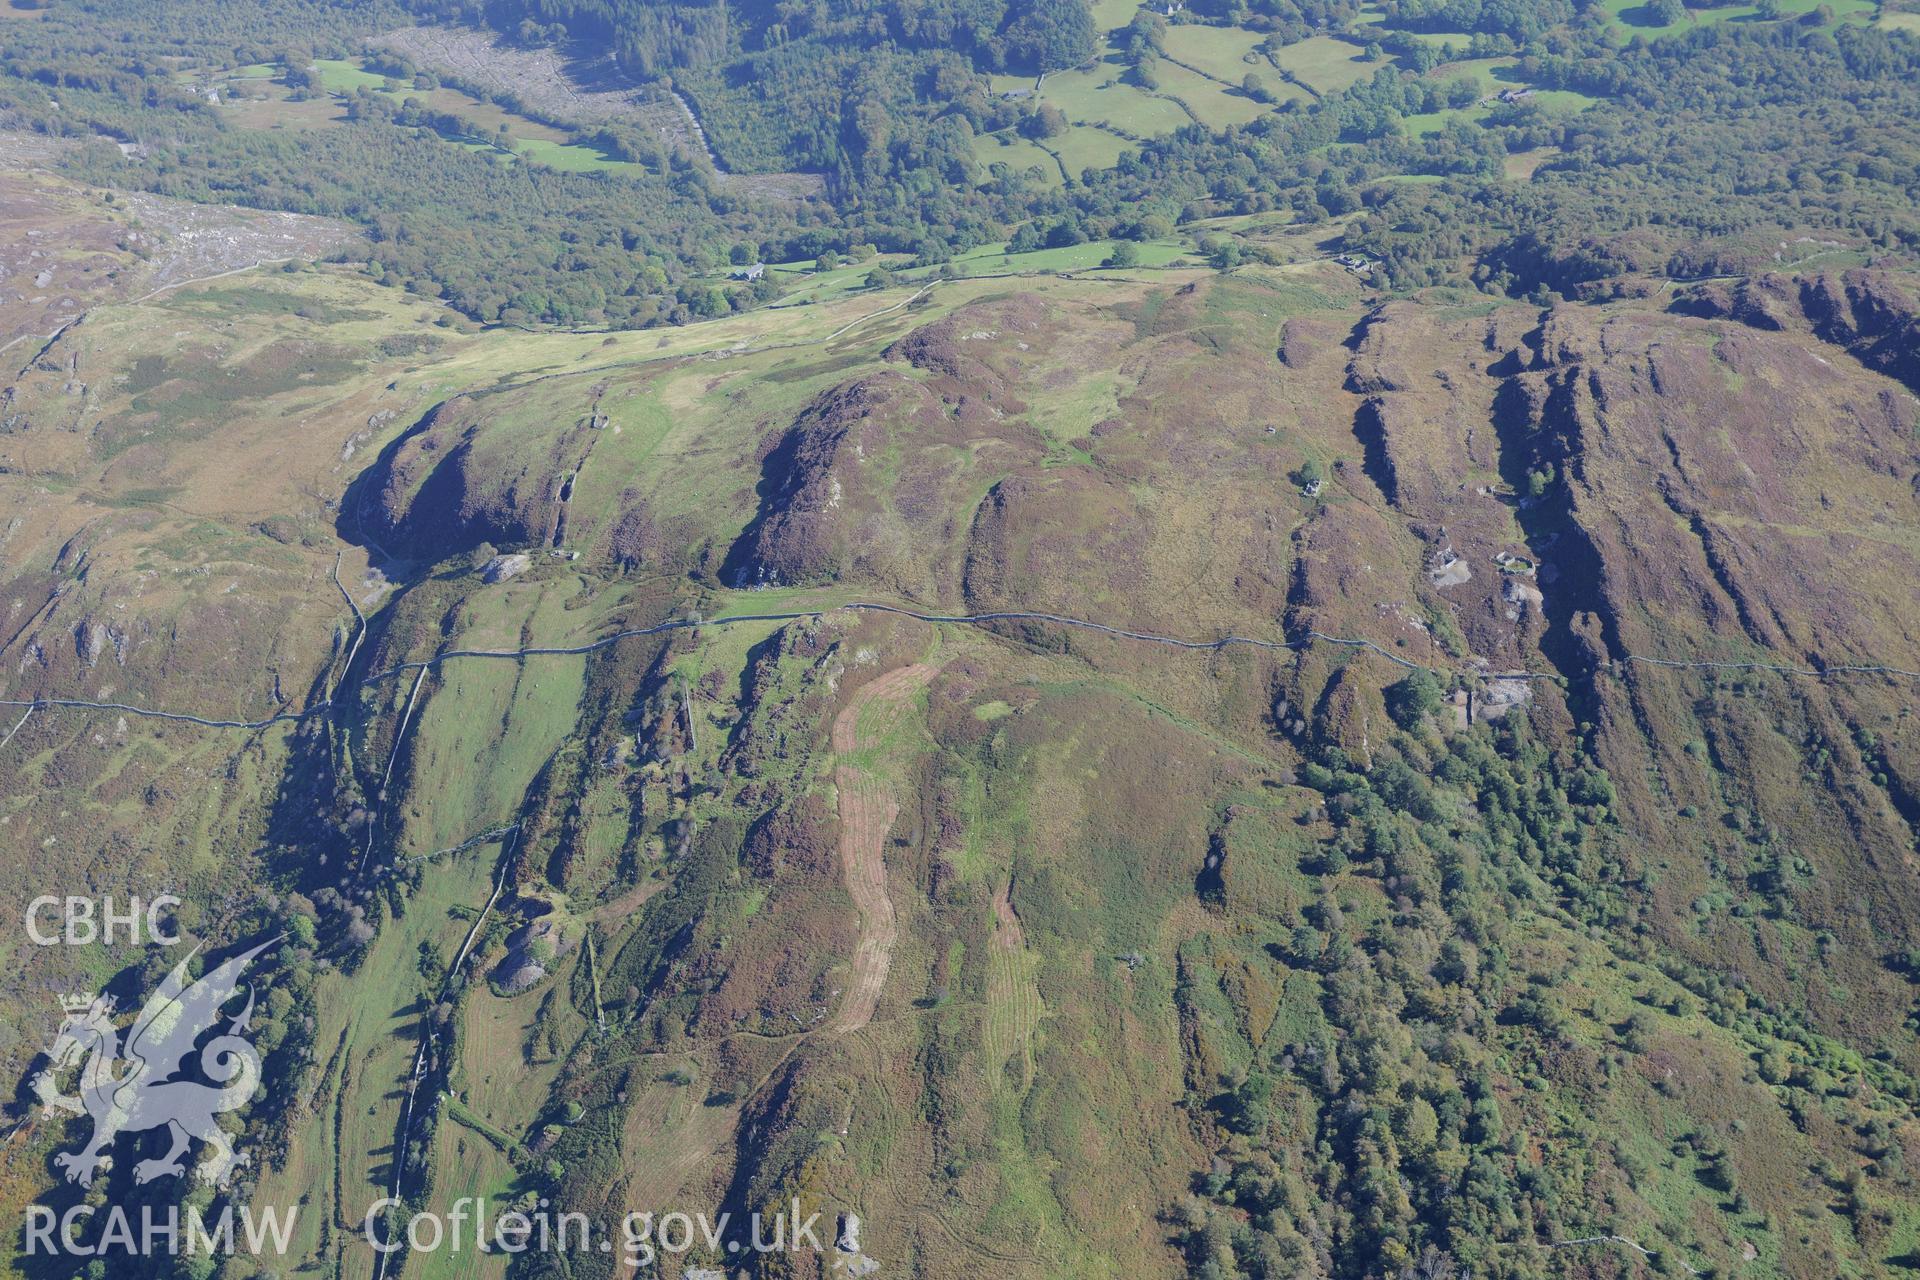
1216,77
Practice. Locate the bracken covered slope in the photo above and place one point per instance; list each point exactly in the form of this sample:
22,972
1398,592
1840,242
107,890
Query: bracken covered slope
1044,951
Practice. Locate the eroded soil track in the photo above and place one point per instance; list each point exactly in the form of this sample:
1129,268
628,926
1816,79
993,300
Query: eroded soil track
867,811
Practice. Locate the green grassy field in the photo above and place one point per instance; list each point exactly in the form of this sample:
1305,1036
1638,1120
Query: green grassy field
1212,103
802,286
1521,165
1101,95
572,156
1637,19
1562,101
1325,64
342,75
990,259
1016,152
1425,123
1110,15
1225,53
248,71
1554,102
487,115
1085,148
1105,109
1490,75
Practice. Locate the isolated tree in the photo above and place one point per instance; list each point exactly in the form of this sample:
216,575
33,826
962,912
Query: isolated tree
1047,122
1413,699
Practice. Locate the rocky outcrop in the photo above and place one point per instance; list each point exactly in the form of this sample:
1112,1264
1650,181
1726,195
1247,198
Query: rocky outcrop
803,530
447,487
867,481
1866,311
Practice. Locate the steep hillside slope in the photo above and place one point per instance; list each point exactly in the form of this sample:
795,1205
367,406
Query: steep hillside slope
1527,889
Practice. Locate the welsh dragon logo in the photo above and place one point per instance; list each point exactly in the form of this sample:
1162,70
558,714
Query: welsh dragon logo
148,1093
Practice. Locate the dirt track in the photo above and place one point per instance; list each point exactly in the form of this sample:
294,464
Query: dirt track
867,811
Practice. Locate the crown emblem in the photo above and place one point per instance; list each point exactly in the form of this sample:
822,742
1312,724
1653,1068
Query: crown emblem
144,1096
